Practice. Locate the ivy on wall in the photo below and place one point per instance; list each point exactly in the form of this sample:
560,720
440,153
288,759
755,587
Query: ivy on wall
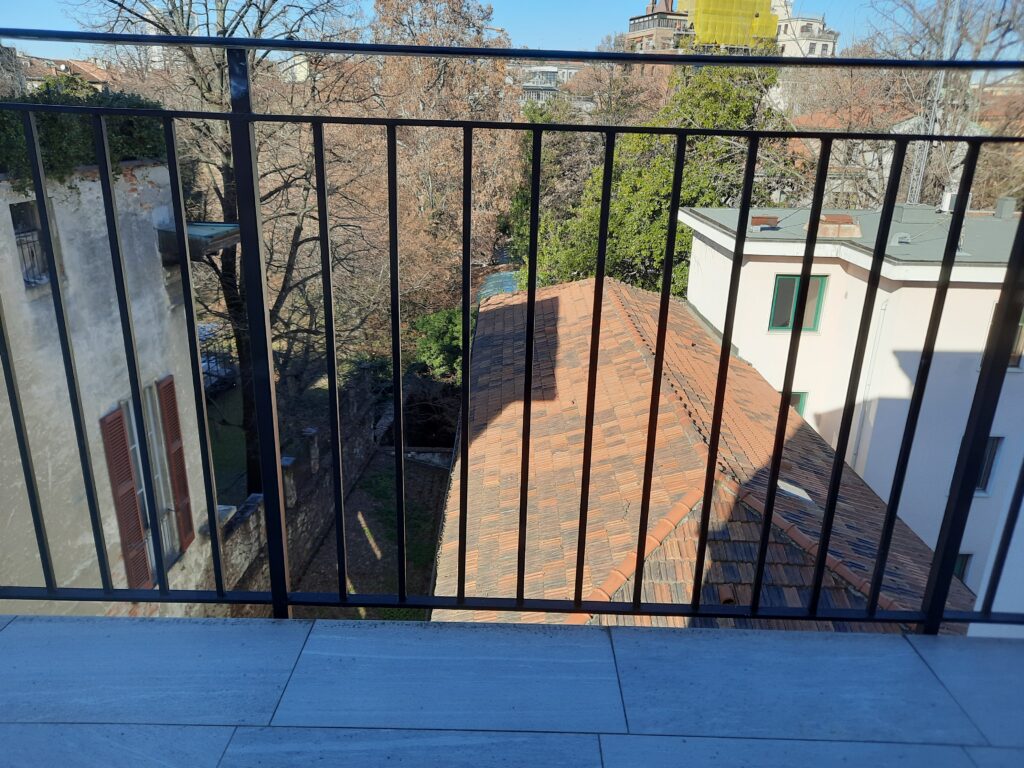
66,140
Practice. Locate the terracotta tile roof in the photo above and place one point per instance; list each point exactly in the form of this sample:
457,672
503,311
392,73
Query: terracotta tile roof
37,68
629,330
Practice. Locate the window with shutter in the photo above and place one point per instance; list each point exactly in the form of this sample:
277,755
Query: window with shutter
175,447
114,431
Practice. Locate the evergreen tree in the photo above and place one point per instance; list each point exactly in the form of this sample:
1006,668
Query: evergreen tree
729,98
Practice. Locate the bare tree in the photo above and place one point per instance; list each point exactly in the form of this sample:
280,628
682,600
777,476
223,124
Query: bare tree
946,102
853,101
327,84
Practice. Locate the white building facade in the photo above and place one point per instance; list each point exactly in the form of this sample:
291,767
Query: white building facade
543,83
803,36
765,317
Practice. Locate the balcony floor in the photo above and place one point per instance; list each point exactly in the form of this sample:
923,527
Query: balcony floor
197,693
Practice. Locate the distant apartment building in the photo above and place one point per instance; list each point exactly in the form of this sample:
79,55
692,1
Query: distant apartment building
765,316
803,36
731,25
661,28
546,82
36,70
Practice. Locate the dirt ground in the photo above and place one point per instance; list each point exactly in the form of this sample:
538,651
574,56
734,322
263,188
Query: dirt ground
371,539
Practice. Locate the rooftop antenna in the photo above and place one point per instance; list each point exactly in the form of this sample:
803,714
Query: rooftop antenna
923,150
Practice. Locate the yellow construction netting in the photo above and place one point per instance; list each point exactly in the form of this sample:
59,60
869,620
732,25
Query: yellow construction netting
734,22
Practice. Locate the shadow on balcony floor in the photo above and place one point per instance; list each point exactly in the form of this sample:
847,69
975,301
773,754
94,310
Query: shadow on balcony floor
371,539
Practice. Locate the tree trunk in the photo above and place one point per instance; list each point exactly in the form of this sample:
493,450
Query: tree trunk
232,286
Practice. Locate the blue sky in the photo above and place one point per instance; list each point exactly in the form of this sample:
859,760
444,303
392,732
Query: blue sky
572,24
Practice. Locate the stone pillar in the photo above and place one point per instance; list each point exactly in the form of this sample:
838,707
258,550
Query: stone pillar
291,493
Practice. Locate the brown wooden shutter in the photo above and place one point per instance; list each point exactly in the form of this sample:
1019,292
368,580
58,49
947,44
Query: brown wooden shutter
176,460
114,430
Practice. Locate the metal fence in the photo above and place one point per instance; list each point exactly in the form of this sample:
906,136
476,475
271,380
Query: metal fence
220,361
34,269
242,121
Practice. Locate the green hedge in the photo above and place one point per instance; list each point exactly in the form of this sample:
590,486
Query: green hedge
67,140
439,343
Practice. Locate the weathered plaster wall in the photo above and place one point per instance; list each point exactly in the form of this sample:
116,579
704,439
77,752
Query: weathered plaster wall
142,195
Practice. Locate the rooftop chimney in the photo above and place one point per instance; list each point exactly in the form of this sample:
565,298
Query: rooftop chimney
914,214
661,6
1006,207
839,225
761,223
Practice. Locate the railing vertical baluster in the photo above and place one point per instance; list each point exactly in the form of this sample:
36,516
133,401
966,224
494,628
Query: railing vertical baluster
464,427
334,391
66,347
994,363
723,370
667,269
195,350
595,353
124,307
1009,528
396,358
956,226
803,290
250,221
24,449
846,423
531,324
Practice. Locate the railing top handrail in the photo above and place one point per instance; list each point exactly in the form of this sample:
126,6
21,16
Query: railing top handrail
375,49
499,125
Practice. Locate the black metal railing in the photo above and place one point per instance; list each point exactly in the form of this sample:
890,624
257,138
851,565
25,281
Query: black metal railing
34,270
242,122
220,361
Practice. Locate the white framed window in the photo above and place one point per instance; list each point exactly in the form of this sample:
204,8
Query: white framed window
1017,356
963,565
783,313
988,466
